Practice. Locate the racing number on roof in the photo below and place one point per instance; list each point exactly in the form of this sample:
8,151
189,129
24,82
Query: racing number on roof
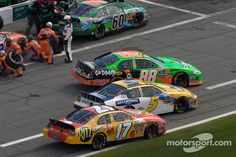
118,21
148,75
102,109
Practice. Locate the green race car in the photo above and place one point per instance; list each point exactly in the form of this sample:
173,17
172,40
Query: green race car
134,64
98,17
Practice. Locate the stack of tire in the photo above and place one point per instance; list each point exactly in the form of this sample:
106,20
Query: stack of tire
13,60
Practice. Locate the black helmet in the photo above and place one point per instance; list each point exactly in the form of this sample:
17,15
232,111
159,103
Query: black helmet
30,37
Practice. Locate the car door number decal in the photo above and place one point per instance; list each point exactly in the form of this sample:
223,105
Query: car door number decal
148,75
122,130
118,21
153,104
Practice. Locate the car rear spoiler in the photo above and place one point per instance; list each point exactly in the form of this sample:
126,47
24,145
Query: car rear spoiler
85,67
61,124
92,98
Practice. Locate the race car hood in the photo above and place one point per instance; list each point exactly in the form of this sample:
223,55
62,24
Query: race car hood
175,63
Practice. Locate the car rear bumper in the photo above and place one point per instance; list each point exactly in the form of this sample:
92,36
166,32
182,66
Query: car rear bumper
91,82
58,136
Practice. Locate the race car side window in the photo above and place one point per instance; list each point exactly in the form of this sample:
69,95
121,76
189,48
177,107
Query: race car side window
120,117
126,64
150,91
114,9
144,64
133,93
102,12
104,120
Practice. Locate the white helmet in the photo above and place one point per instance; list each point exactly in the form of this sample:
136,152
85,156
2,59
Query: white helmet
49,24
2,53
67,17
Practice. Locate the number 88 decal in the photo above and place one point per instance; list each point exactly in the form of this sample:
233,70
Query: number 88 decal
118,21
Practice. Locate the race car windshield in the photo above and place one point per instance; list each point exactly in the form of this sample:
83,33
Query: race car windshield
106,60
80,116
80,10
112,90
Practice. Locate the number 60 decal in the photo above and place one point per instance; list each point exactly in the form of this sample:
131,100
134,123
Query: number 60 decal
118,21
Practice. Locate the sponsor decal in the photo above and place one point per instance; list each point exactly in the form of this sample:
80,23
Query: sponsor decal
85,134
105,73
127,102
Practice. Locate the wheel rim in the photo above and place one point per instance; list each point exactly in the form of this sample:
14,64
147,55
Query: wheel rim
152,132
98,142
181,106
181,80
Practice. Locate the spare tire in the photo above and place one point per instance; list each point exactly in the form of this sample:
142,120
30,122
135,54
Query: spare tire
13,60
1,22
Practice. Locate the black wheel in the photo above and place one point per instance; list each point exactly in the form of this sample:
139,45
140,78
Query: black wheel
180,79
99,31
99,142
14,61
151,131
138,20
182,105
1,22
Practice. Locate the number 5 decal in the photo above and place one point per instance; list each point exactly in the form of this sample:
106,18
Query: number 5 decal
125,127
118,21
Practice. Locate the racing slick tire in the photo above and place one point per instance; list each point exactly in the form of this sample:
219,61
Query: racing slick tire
99,32
1,23
138,20
99,141
181,105
151,131
180,79
13,61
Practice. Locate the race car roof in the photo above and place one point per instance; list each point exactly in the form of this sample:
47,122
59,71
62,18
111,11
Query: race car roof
130,54
95,3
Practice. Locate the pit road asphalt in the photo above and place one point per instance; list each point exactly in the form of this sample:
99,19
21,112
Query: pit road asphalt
46,91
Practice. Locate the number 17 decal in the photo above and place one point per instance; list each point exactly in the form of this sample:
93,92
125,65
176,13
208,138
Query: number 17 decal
125,127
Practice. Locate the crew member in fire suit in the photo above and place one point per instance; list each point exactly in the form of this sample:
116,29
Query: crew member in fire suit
67,34
12,46
39,54
44,37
